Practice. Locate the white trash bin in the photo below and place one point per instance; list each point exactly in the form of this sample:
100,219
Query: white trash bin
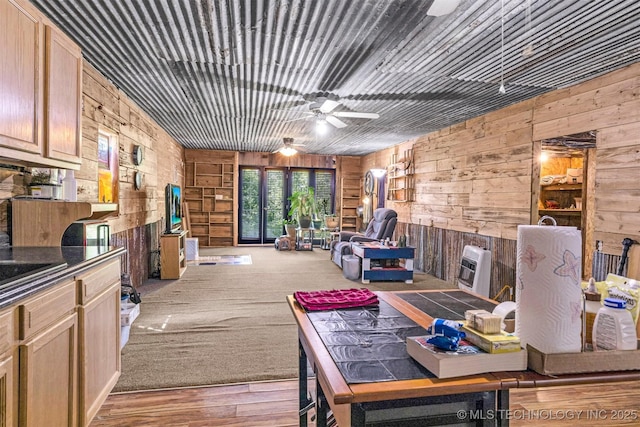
351,267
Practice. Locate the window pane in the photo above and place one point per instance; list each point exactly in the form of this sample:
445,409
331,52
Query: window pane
250,204
324,198
299,179
275,203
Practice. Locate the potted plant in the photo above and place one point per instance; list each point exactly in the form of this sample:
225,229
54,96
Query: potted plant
290,227
331,220
302,206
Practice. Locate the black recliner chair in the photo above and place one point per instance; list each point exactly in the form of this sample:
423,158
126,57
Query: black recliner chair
381,226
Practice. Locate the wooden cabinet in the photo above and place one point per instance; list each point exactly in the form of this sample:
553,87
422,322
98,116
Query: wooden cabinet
21,82
401,185
63,94
48,358
349,202
99,334
7,390
210,196
40,79
173,260
8,387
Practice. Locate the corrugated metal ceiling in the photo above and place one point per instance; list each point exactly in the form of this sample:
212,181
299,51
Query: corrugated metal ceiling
241,74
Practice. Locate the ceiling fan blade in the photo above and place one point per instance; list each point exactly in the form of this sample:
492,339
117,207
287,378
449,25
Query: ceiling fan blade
328,105
336,122
298,118
356,115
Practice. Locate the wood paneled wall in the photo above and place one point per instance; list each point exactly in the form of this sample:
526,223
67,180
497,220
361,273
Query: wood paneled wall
475,177
141,211
105,107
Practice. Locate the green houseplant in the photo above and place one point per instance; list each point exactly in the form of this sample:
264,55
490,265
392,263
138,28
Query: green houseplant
302,206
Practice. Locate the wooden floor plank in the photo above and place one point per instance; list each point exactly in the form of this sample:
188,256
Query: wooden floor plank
274,404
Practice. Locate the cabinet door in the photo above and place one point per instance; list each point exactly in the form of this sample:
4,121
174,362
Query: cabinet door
21,43
7,390
99,350
48,385
63,94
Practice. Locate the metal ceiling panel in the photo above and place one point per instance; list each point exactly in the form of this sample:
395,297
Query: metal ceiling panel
242,74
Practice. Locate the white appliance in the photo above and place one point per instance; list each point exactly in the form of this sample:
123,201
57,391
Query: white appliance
192,248
475,270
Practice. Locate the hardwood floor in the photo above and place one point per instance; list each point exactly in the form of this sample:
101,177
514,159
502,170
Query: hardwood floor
275,404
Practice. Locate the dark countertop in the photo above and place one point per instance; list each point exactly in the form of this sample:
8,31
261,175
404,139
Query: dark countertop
51,265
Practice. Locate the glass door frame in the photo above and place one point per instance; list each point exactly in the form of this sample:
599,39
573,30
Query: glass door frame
262,203
288,189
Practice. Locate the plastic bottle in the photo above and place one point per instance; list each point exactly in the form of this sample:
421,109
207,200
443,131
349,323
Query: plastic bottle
593,302
70,186
613,328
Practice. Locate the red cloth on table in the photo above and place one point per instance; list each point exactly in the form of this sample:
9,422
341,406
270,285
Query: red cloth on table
335,299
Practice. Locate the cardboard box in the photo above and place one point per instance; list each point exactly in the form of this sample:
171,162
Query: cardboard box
588,361
492,343
128,313
124,335
467,360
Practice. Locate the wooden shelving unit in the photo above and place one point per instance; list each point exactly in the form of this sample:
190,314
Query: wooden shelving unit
350,199
400,175
566,213
210,193
173,260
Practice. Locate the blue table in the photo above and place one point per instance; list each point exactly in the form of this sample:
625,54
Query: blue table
380,262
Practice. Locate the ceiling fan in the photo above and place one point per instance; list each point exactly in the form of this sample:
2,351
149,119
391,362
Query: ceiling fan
322,110
288,149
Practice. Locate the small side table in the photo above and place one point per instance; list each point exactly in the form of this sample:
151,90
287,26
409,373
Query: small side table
328,235
304,239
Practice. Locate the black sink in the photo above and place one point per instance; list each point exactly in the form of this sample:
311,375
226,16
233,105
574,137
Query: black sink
13,271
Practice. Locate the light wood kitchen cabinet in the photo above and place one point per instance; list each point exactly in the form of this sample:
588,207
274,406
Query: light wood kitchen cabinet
21,82
41,84
8,387
7,390
48,361
63,94
99,337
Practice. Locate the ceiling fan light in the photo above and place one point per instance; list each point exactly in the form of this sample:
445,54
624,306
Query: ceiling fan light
321,126
288,151
442,7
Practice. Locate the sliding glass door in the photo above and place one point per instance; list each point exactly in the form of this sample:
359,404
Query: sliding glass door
263,201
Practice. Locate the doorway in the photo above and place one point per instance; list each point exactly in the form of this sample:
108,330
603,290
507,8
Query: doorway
264,199
262,204
563,183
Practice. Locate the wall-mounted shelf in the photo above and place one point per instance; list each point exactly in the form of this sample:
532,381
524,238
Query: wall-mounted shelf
103,210
350,199
210,197
400,175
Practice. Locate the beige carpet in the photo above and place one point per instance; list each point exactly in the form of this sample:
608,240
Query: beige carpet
223,324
